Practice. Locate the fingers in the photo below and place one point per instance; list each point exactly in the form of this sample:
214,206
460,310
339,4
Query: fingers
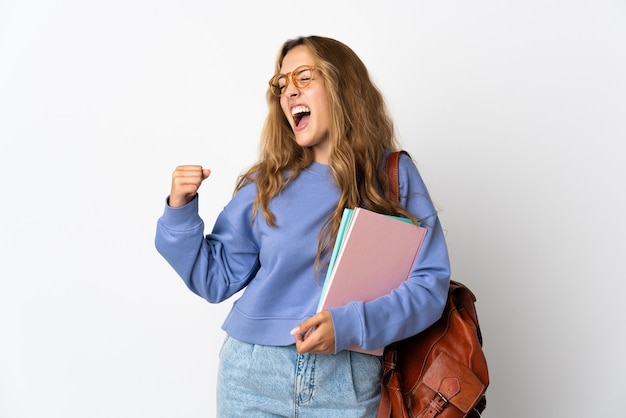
316,334
186,180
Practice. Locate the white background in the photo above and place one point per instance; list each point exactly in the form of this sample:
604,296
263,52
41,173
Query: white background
514,111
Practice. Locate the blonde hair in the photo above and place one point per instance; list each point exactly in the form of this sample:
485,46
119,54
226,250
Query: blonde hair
360,132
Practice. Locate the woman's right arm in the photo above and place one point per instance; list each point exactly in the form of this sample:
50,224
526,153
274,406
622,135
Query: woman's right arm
220,264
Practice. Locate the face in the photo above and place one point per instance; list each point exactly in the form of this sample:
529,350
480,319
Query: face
306,109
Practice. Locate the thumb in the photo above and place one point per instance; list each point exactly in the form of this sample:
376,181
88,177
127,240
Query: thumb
205,173
302,328
308,325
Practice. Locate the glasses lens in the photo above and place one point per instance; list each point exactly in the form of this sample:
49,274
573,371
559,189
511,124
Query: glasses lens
277,84
302,77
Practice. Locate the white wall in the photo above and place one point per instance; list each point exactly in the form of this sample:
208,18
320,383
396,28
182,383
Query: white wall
514,111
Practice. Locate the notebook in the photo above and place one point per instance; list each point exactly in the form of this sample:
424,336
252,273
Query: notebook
373,254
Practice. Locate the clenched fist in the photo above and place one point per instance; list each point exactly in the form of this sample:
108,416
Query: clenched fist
186,180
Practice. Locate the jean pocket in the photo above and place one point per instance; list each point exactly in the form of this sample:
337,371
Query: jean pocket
226,339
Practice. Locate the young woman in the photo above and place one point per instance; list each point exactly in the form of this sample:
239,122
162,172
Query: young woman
324,146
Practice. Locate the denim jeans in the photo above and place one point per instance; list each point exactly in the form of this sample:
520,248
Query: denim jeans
265,381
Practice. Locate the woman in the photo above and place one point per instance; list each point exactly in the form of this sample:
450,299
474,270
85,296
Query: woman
324,145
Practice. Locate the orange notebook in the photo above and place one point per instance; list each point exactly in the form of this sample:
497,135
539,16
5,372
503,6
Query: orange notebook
373,255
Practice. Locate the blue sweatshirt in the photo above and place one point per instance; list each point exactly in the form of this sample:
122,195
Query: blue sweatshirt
274,266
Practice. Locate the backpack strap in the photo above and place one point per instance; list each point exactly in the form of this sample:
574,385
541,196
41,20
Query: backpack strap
390,355
393,178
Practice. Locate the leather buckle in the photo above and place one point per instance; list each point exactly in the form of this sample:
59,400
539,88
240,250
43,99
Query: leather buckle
444,400
436,406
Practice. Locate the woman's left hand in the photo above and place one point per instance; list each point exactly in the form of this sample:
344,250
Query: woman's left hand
316,335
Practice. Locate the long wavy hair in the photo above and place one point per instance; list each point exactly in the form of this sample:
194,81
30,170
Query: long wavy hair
360,133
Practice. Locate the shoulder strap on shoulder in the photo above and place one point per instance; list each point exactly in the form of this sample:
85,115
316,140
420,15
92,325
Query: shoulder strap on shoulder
392,174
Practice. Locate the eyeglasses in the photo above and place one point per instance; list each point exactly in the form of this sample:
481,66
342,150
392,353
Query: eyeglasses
301,78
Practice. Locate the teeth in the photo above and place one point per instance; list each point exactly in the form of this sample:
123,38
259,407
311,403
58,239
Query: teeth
300,109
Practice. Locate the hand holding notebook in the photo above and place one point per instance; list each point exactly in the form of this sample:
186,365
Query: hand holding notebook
373,255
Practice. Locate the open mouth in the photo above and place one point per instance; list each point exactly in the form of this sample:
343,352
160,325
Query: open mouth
299,113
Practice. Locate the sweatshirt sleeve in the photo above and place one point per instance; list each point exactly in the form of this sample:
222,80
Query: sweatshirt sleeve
214,266
419,301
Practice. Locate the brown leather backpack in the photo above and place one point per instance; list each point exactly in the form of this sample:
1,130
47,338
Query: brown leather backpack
442,371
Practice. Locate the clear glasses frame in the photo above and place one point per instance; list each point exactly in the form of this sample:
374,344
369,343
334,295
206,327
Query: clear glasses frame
301,77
